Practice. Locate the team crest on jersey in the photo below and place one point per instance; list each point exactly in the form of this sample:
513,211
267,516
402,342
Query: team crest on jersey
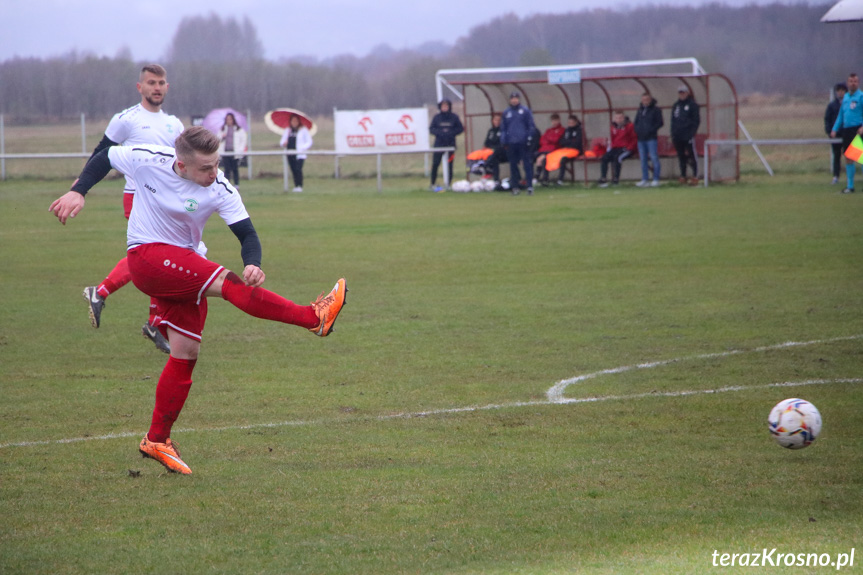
190,205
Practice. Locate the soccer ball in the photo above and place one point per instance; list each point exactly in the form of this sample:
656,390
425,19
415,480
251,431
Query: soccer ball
794,423
461,186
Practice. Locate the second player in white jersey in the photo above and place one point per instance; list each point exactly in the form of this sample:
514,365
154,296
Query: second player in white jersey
144,123
137,125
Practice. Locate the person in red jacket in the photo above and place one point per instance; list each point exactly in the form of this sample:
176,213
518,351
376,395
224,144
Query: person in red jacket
623,144
548,142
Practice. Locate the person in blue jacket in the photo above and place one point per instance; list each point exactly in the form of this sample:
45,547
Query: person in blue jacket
849,123
445,126
830,115
516,130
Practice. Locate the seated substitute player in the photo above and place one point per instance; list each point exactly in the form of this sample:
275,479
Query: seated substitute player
498,153
144,123
571,145
548,142
622,145
180,188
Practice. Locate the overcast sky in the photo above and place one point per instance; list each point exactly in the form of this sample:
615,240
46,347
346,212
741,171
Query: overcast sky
321,28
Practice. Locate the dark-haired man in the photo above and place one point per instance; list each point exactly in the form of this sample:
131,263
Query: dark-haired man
517,129
648,121
849,123
498,153
622,144
143,123
445,127
830,115
685,119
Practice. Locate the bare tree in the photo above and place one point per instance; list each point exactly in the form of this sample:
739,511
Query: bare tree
210,39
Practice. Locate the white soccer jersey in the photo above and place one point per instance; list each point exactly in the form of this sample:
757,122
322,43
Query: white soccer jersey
137,125
169,209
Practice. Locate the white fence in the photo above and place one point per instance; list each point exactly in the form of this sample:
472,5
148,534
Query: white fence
84,154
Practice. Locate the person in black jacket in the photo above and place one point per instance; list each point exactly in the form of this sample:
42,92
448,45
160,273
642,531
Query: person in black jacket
685,119
520,137
572,139
498,155
445,126
830,115
648,120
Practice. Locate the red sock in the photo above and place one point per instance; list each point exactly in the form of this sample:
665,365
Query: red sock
265,304
171,393
153,312
118,277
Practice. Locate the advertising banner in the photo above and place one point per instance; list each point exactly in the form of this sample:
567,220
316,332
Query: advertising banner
364,131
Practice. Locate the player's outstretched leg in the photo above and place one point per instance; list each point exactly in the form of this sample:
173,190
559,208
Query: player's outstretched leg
318,317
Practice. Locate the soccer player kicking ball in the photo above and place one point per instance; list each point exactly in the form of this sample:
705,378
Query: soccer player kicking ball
178,190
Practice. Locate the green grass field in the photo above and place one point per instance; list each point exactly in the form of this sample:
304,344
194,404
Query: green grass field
420,438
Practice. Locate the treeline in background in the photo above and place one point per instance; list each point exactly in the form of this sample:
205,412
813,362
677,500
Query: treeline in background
215,62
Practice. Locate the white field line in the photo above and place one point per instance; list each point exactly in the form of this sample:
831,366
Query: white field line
554,394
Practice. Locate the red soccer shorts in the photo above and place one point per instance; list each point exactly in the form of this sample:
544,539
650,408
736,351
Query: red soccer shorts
176,278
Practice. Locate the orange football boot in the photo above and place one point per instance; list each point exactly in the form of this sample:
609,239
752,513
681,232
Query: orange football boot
165,453
327,308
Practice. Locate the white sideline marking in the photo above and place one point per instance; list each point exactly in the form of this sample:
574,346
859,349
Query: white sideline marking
554,394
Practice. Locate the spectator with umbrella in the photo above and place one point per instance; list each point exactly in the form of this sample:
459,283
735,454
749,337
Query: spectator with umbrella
232,140
296,137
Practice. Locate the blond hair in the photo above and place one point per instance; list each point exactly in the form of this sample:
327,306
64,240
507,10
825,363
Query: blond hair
196,139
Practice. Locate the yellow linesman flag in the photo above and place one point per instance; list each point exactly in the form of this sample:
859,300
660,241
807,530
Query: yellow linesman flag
855,150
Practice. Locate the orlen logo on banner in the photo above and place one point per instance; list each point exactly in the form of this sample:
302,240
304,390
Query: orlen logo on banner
362,140
403,138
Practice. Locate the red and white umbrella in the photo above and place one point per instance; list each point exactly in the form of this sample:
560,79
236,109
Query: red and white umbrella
279,119
215,119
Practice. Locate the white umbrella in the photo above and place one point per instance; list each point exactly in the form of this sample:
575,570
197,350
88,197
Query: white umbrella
215,119
845,11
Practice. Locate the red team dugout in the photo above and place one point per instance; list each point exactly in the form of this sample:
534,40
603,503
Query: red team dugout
593,92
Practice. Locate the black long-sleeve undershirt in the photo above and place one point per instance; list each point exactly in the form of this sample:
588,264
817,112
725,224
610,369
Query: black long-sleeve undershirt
94,172
250,249
105,143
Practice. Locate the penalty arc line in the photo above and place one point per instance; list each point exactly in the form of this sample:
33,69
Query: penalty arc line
554,394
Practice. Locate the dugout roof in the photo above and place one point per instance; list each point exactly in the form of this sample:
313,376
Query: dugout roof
600,89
